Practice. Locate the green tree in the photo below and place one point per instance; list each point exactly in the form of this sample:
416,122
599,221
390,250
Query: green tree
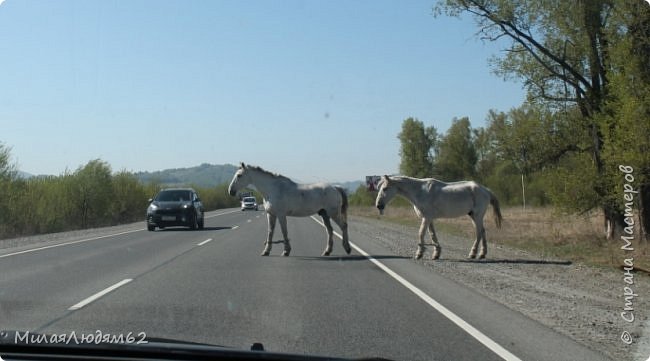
7,168
457,158
128,198
362,197
417,146
486,153
562,51
627,116
7,194
92,191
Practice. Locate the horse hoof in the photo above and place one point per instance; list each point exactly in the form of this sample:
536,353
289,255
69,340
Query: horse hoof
348,250
264,254
435,256
482,256
471,256
285,253
418,255
326,253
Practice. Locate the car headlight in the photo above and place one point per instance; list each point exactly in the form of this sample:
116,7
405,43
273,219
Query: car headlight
153,207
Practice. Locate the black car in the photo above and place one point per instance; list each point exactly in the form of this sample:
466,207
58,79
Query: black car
175,207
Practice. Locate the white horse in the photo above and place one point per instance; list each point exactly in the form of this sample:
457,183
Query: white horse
283,197
432,199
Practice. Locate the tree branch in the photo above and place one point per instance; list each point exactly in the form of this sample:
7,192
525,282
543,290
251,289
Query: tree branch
529,43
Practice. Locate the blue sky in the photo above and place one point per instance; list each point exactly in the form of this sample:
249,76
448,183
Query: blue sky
315,90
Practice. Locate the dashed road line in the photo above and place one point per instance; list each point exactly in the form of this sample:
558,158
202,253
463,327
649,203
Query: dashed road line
204,242
98,295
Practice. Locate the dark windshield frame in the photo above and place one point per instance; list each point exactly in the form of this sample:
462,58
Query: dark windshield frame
174,196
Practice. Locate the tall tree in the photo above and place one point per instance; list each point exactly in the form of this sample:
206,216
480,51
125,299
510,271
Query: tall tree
7,175
627,116
417,147
561,51
456,159
93,191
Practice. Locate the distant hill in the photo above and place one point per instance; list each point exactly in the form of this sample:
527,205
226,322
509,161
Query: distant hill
205,175
24,175
351,186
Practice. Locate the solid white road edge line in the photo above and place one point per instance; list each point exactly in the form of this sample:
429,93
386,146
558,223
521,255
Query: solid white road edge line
471,330
99,294
89,239
204,242
69,243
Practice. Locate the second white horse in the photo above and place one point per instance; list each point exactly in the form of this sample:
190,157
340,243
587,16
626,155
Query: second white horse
432,199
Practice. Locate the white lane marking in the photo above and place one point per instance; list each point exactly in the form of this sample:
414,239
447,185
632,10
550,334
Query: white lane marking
90,239
69,243
221,214
99,294
471,330
204,242
234,227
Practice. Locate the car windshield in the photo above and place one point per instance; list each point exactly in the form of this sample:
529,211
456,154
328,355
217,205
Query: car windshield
437,179
173,196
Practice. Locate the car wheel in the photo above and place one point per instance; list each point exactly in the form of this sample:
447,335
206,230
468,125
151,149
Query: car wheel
202,223
193,221
151,228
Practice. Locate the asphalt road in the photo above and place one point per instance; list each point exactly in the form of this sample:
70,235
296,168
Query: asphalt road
212,286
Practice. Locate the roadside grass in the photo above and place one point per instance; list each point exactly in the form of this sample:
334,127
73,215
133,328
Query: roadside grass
540,230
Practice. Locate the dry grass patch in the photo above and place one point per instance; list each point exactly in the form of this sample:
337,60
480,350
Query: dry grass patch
541,230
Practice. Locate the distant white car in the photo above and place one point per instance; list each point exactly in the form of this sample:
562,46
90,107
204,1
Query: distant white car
249,203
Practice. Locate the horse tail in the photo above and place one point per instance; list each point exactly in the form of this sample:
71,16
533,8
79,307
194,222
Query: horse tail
344,202
498,218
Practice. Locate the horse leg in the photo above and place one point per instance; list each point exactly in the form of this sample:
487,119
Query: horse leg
269,238
330,232
341,222
480,232
483,251
436,245
283,227
477,225
423,229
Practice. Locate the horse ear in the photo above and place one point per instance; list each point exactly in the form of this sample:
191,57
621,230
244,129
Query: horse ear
242,165
385,178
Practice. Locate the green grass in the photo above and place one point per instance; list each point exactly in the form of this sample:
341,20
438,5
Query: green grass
539,230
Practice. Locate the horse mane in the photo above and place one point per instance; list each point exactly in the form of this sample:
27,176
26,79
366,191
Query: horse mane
411,179
274,175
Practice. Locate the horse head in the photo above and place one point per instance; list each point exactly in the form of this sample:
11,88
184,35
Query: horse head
239,180
387,191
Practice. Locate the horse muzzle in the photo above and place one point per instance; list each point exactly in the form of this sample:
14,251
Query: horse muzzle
381,208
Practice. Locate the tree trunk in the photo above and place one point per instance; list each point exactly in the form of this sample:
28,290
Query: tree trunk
614,222
644,211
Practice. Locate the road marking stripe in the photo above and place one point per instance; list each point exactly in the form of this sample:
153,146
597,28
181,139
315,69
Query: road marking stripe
89,239
234,227
471,330
204,242
69,243
99,294
221,214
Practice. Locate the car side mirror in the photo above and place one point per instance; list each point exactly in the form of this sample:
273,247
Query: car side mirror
198,199
150,200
